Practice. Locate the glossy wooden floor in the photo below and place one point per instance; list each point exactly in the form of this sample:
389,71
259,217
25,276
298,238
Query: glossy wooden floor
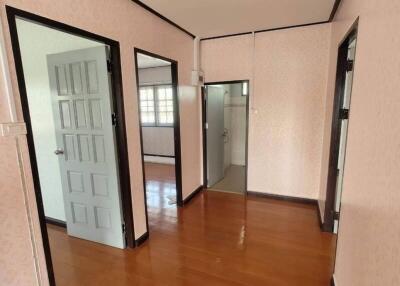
217,239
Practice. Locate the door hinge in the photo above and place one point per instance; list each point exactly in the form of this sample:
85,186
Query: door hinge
344,113
114,119
109,66
350,65
336,215
206,125
123,228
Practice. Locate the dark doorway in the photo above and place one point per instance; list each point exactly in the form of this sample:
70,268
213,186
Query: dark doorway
340,123
158,107
225,111
76,97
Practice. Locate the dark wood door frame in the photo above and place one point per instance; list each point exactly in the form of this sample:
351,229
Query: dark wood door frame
177,129
204,130
118,101
341,71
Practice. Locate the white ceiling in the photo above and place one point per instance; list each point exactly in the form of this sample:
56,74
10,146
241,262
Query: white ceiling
145,61
209,18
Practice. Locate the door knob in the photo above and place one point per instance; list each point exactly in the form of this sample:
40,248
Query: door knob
59,152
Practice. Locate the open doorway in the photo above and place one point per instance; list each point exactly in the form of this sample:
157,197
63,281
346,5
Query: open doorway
70,87
160,135
225,120
340,124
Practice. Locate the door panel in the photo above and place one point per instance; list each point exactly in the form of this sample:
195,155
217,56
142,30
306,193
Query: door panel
85,138
215,132
344,123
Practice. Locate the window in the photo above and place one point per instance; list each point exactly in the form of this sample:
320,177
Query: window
165,111
245,88
147,107
157,105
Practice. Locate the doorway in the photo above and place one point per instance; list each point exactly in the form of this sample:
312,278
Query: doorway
340,124
225,128
157,83
70,86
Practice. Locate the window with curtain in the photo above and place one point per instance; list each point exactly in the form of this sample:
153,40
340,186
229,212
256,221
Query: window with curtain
157,105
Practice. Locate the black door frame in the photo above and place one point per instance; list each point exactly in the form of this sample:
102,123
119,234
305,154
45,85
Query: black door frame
204,130
342,66
118,102
176,126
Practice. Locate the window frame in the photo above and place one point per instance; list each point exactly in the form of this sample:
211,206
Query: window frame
156,123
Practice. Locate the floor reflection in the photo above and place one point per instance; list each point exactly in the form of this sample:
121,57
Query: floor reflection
161,192
218,239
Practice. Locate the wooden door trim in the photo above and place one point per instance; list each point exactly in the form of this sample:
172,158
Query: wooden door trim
204,133
117,95
341,70
177,131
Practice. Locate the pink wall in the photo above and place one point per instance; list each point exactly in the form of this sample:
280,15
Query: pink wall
132,26
227,58
368,242
190,110
287,100
22,258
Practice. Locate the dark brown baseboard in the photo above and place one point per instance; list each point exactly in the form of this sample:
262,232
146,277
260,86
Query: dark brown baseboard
56,222
142,239
284,198
323,226
192,195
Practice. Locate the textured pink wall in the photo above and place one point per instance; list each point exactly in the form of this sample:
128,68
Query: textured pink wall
285,143
287,101
132,26
190,110
369,233
21,259
227,58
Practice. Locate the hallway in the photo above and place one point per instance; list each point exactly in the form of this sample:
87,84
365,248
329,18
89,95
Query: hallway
217,239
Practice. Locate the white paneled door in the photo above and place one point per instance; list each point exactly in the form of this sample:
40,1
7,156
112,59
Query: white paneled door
215,134
82,109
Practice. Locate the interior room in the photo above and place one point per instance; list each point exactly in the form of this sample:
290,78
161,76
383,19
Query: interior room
69,100
245,143
227,117
157,129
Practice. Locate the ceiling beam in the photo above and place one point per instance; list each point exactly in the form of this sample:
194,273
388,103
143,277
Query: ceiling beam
141,4
334,10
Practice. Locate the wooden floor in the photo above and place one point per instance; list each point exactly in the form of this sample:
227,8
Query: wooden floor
160,190
217,239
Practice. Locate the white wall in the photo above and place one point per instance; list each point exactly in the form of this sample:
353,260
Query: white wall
156,75
36,42
235,123
159,160
227,125
158,140
238,125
